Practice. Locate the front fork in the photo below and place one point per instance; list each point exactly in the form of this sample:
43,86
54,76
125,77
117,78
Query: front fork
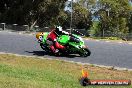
82,48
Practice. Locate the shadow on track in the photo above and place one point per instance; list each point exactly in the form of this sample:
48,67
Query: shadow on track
38,53
42,53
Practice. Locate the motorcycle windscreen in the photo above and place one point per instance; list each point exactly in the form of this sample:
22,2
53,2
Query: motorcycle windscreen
63,39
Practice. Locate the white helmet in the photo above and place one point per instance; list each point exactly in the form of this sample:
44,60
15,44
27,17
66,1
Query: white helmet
58,29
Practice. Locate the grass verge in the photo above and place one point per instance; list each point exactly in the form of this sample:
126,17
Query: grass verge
31,72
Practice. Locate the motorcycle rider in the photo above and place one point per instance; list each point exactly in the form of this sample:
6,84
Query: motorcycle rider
56,32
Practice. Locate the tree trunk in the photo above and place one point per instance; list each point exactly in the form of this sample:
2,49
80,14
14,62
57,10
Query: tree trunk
32,25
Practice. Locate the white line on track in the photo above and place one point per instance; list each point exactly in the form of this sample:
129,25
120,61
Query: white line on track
19,33
97,40
87,39
10,32
120,42
107,41
130,43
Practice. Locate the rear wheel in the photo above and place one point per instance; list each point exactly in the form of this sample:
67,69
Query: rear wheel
86,52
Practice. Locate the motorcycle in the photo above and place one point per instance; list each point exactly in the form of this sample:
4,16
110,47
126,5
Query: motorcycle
74,45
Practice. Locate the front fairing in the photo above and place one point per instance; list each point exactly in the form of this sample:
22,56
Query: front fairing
45,37
78,45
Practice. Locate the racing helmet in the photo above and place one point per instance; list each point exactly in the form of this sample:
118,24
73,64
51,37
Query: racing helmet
58,30
39,35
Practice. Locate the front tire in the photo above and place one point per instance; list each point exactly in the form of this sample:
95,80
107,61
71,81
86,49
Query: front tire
44,47
86,52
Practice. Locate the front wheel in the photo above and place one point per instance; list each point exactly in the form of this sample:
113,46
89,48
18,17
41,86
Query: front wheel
86,52
44,47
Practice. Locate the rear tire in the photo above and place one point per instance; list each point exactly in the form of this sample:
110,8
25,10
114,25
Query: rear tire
86,52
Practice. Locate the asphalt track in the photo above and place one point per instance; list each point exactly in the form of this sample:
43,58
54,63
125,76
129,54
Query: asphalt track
103,52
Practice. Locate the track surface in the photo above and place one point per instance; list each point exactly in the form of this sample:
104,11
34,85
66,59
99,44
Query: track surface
103,53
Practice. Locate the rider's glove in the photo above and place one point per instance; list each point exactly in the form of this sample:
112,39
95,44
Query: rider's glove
71,35
55,40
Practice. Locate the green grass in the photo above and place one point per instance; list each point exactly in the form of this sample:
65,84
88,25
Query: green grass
27,72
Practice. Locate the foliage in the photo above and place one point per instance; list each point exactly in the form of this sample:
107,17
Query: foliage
82,17
31,12
94,30
114,16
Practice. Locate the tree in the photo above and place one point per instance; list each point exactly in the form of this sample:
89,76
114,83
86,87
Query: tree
130,24
113,16
81,15
31,12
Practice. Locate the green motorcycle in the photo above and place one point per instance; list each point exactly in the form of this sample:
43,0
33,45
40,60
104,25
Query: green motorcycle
74,45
